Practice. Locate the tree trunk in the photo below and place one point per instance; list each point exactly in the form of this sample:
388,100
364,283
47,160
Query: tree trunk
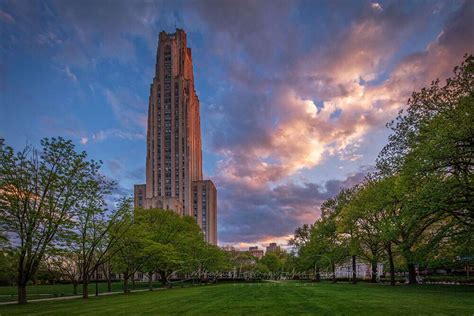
392,265
318,274
354,271
106,270
333,272
22,293
373,276
96,285
150,281
125,282
74,285
85,287
133,281
163,278
411,274
166,275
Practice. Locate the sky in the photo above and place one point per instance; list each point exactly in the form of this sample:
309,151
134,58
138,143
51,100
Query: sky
294,95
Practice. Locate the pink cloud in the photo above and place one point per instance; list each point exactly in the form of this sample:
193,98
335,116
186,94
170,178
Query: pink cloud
304,134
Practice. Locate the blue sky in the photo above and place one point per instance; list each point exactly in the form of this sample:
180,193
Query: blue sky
294,94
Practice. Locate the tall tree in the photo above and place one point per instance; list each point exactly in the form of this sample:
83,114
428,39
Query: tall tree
347,228
40,192
98,233
430,156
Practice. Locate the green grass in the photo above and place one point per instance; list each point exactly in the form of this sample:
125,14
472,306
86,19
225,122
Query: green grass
286,298
9,293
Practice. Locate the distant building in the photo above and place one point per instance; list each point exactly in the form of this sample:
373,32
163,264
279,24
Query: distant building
273,247
228,248
174,177
363,269
257,253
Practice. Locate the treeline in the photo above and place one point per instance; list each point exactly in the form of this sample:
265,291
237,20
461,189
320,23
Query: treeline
416,209
55,217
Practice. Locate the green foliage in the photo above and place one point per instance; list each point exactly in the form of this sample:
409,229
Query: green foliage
273,262
172,242
164,242
40,193
8,266
327,246
301,236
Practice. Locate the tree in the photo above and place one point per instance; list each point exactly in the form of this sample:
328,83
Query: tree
170,238
216,259
326,246
98,233
39,194
423,106
274,261
369,220
430,156
66,264
129,255
347,228
442,159
241,261
301,236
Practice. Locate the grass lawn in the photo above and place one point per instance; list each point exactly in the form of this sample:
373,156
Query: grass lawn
285,298
9,293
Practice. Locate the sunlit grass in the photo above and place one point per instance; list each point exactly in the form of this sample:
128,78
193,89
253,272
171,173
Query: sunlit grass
271,299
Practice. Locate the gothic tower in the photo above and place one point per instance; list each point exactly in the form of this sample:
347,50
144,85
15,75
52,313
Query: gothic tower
174,150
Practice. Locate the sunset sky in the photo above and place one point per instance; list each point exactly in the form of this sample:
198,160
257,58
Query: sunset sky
294,95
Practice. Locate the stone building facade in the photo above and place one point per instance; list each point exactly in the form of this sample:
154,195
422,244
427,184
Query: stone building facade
174,148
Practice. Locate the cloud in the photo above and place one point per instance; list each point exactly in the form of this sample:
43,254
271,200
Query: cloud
376,6
127,108
5,17
106,29
269,214
119,170
84,140
114,133
276,127
247,27
64,124
70,74
286,131
319,106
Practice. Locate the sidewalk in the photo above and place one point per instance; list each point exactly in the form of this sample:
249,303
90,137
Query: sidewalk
76,296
